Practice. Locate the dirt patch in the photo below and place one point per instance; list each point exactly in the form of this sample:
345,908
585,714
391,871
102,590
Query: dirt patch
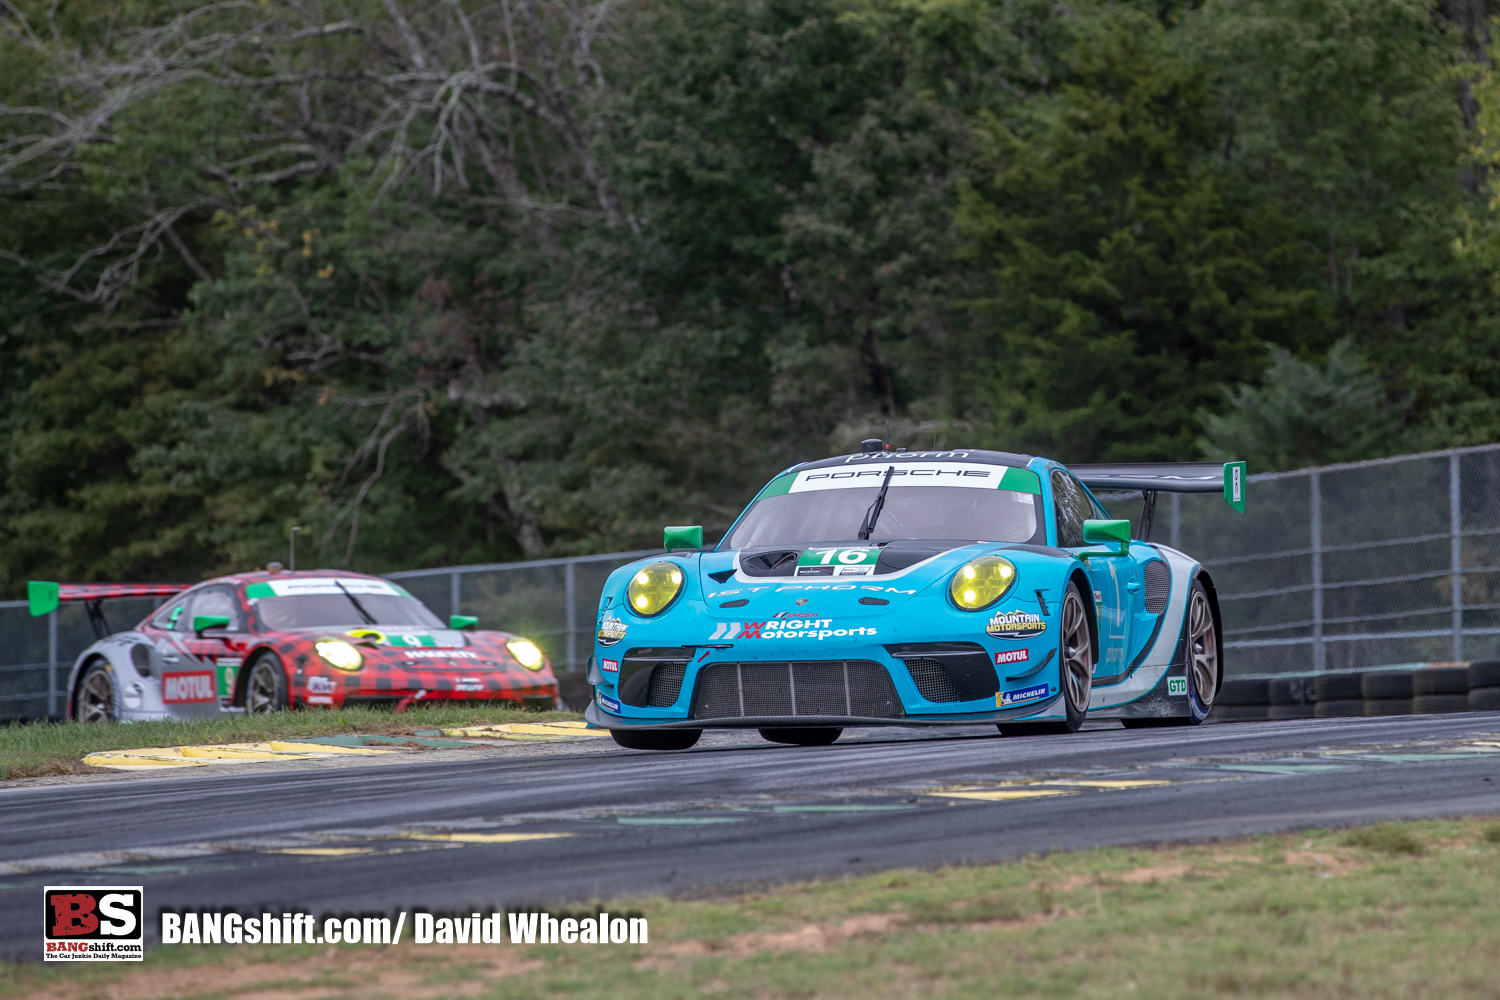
808,938
1326,861
388,972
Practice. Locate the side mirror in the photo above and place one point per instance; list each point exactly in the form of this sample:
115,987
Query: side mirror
463,622
1100,532
682,537
202,623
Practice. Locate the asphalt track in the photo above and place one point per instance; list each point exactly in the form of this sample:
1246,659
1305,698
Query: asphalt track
441,834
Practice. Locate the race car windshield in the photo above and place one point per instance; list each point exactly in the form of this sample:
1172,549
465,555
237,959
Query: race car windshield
337,611
910,512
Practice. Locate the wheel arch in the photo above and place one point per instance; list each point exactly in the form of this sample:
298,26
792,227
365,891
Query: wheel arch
242,675
1213,606
1076,575
85,662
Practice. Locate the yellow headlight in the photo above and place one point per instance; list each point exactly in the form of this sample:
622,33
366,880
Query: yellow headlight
653,588
525,651
980,583
340,654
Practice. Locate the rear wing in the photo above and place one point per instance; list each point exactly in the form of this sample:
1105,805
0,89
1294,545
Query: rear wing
1151,478
45,598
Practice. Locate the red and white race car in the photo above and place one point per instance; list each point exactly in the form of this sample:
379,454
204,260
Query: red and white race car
265,641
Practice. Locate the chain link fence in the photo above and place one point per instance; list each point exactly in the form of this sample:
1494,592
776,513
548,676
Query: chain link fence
1392,561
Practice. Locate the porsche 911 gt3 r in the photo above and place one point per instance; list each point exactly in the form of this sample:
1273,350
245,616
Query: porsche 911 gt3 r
915,588
263,641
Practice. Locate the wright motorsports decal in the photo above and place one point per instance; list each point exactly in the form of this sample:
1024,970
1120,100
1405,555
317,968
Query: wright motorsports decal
1016,625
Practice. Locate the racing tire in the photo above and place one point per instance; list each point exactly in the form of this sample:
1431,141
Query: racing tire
1484,699
1075,671
656,739
1200,641
98,699
1484,674
265,685
802,737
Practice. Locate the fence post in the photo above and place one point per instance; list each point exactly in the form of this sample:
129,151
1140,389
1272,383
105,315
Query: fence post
1176,535
1320,661
52,664
571,577
453,594
1457,559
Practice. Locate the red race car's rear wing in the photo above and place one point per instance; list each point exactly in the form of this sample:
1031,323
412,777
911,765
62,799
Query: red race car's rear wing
45,597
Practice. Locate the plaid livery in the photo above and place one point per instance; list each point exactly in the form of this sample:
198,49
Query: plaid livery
483,669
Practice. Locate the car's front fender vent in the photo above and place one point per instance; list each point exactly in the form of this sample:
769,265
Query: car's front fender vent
1158,586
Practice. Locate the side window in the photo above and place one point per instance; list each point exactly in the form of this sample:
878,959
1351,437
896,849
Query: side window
213,601
1073,508
170,616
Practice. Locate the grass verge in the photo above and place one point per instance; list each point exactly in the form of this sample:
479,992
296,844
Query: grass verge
1322,914
43,748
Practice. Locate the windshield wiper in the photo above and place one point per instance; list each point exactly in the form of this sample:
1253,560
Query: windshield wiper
873,514
369,619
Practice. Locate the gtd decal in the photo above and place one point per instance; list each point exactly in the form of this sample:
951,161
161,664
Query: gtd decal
1176,686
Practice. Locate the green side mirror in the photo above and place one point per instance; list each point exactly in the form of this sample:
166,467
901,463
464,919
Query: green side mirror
682,537
43,597
203,622
1099,532
463,622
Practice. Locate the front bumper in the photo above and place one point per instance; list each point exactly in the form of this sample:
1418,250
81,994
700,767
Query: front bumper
596,716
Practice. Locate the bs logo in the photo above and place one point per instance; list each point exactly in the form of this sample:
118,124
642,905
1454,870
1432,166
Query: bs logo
93,922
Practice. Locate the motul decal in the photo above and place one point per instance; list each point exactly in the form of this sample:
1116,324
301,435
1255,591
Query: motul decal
188,689
1011,656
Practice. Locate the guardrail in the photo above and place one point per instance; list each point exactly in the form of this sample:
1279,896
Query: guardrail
1395,560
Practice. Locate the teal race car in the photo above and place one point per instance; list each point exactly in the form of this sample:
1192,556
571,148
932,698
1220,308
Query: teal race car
929,588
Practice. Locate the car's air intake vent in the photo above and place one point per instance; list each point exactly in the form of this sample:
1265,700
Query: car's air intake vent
931,679
1158,586
652,678
968,674
859,688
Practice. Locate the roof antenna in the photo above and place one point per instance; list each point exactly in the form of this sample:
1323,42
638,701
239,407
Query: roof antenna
887,435
293,553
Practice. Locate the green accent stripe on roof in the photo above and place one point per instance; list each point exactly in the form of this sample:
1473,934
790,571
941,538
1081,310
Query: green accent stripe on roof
1021,480
259,590
780,485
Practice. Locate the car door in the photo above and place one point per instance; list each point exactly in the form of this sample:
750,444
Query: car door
1114,578
217,652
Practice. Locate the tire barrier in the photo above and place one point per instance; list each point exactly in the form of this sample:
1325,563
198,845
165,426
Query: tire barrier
1417,689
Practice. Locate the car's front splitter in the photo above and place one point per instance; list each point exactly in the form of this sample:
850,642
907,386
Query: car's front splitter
596,716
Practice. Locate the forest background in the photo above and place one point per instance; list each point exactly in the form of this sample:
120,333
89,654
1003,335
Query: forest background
455,281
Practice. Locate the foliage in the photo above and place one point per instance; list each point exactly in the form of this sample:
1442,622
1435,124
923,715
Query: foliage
1305,415
457,283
